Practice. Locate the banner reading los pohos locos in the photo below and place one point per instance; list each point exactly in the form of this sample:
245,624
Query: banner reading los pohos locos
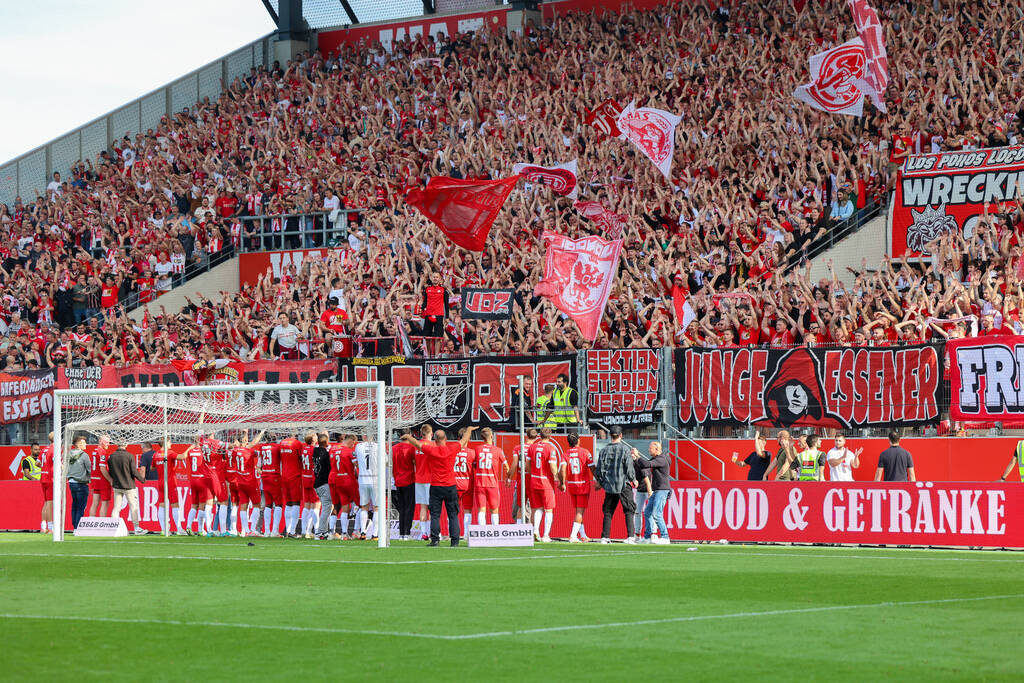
490,382
985,378
945,193
955,514
823,387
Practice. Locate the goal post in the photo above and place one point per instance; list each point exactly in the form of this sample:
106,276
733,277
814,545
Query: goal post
183,414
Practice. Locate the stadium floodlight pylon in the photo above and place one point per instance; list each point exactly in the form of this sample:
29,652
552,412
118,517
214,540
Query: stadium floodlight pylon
181,414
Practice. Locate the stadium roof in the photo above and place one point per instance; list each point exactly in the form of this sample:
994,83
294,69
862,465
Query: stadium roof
326,13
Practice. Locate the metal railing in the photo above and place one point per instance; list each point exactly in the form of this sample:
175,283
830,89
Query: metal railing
678,459
836,234
315,229
29,173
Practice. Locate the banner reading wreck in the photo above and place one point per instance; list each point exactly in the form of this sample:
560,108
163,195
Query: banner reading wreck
946,193
841,387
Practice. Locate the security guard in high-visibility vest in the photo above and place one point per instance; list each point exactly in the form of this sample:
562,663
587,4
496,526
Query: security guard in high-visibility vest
544,406
1018,460
564,414
812,460
30,469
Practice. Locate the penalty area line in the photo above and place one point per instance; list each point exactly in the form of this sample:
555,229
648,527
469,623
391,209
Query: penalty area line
505,634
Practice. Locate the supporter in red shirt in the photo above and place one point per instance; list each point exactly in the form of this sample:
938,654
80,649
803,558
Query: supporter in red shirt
441,455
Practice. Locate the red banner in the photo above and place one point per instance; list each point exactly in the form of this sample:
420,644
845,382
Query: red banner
280,263
604,117
823,387
147,375
932,514
939,194
25,395
388,34
985,378
463,209
578,277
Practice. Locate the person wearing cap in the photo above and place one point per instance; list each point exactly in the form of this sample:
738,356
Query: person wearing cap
615,474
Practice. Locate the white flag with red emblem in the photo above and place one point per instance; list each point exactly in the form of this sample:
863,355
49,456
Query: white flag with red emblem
653,131
561,179
835,74
578,277
876,59
612,223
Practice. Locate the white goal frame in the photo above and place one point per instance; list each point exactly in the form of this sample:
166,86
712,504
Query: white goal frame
383,525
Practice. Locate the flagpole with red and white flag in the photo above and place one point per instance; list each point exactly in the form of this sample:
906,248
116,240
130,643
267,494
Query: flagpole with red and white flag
464,210
578,277
653,131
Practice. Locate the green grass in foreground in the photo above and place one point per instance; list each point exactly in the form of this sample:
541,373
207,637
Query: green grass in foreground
218,609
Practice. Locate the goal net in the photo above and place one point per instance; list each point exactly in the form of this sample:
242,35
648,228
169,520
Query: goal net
180,416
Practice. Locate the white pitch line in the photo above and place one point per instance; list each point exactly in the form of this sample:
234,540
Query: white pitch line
510,558
504,634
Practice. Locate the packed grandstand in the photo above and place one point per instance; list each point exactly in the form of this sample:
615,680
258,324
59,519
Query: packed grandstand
713,255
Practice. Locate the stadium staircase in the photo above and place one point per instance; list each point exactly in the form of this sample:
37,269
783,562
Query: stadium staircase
222,277
870,242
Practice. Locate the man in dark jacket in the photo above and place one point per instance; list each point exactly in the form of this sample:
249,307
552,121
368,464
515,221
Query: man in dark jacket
321,474
123,475
615,474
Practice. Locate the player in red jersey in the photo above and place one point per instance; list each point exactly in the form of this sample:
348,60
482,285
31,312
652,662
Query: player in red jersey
202,497
46,481
245,490
464,459
578,464
310,501
403,468
213,451
160,458
421,493
291,484
99,479
273,497
546,472
342,482
489,468
519,459
232,481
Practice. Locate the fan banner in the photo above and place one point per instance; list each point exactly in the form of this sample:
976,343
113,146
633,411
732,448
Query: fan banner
603,118
578,277
813,387
623,386
561,179
834,75
487,304
938,194
26,395
612,223
189,373
653,131
985,378
464,210
489,381
876,59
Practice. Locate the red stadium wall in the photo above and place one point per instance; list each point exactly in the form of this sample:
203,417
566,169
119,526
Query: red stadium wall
935,459
562,7
328,41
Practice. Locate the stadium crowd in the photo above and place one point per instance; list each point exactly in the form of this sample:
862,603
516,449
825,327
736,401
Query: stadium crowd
757,178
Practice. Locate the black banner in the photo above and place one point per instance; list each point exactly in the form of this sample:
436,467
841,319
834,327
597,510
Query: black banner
623,386
490,382
487,304
825,387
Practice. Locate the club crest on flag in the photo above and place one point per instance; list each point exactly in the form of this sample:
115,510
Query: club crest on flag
561,179
652,131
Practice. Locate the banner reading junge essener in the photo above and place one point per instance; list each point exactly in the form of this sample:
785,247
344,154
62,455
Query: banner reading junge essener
837,387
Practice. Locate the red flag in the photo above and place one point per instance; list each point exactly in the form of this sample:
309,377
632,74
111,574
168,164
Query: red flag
612,223
578,277
464,209
603,118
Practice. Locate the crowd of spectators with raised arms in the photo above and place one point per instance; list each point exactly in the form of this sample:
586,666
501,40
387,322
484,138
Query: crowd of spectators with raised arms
757,177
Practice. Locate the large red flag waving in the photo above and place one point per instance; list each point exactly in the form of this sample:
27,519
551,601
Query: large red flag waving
578,277
464,209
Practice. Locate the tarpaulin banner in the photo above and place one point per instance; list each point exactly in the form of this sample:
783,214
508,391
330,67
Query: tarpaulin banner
623,386
932,514
487,304
26,395
235,372
985,381
823,387
489,382
939,194
280,263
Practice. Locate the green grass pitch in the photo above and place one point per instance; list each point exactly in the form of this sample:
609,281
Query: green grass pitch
219,609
